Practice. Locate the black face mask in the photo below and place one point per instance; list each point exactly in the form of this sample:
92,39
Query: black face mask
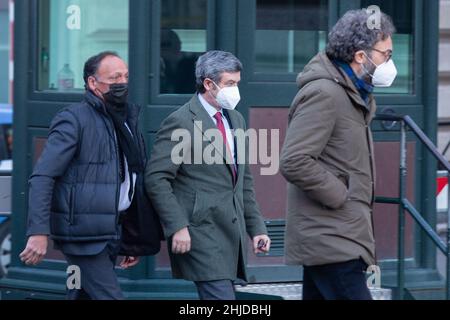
117,94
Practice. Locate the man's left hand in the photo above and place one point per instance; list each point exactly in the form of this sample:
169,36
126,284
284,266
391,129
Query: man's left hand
129,262
261,244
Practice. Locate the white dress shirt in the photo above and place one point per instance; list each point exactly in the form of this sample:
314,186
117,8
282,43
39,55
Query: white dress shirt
124,201
212,112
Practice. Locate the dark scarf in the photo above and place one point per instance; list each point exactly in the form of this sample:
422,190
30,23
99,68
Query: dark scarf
364,88
127,143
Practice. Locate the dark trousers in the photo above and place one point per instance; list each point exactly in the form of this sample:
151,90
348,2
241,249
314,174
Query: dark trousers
98,277
337,281
215,290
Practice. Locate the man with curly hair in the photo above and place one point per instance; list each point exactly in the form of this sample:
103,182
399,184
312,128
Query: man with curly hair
328,158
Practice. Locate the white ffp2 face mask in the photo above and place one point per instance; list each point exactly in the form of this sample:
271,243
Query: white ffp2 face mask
228,97
384,74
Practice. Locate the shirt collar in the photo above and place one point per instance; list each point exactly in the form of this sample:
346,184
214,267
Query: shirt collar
208,107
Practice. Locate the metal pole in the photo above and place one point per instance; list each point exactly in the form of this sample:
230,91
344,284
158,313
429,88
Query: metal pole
447,292
401,214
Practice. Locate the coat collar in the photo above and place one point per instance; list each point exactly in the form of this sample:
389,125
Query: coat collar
199,114
341,77
321,67
97,104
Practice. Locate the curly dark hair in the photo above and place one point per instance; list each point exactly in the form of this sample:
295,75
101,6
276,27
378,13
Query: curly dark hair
352,33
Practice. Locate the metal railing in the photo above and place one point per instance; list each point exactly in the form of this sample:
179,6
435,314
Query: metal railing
405,205
443,124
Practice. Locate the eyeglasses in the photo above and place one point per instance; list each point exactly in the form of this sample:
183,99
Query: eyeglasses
388,53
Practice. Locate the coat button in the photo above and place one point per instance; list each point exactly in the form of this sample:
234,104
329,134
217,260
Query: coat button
234,220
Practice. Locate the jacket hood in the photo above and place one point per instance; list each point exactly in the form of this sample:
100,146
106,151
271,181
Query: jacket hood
321,67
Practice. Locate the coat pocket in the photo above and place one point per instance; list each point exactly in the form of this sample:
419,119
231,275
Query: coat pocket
344,178
202,210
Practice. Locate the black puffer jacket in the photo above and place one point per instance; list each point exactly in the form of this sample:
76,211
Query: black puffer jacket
74,189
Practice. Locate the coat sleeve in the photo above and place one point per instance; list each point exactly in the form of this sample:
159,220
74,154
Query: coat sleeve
311,126
58,152
254,221
160,172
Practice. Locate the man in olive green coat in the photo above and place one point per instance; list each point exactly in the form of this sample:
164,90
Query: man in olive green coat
328,159
207,209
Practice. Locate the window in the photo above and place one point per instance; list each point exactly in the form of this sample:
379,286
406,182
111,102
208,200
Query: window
401,12
71,31
288,34
183,40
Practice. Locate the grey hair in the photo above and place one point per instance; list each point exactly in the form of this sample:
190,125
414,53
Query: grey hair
212,64
352,34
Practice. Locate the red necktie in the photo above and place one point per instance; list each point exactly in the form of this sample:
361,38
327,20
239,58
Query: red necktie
221,127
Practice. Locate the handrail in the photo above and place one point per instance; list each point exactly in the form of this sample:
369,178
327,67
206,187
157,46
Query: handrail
406,206
445,123
425,226
419,133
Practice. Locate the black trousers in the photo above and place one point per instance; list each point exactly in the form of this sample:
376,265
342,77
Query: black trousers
98,277
337,281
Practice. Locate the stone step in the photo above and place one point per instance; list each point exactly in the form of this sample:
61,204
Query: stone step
293,291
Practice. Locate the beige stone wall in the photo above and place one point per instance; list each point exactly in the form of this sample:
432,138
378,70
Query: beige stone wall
444,74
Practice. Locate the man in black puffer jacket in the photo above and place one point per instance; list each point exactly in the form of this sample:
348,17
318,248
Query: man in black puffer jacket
87,190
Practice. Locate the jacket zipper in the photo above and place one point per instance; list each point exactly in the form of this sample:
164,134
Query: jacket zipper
116,207
373,184
72,204
113,136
